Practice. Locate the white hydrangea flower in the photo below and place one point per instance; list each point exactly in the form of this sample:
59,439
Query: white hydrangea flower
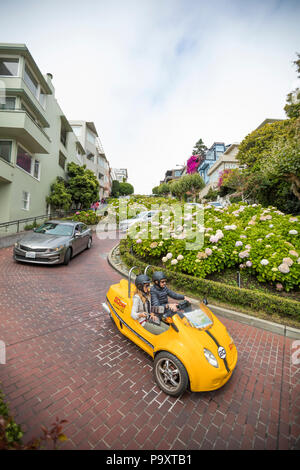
239,243
264,262
169,256
293,232
174,261
283,268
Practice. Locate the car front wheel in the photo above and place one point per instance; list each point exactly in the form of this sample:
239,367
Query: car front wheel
67,256
89,243
170,374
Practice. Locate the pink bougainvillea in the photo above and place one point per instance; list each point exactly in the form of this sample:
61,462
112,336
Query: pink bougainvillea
193,163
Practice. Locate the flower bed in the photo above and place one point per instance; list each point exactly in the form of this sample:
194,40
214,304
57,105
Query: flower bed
264,241
255,300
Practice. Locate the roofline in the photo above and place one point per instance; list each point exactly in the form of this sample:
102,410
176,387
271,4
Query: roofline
22,49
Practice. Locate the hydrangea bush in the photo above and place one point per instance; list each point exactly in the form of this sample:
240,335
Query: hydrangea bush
262,240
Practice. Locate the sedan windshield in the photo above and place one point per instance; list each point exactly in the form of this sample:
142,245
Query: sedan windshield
55,229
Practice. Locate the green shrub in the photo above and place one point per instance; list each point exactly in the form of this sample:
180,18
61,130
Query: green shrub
253,299
12,432
87,217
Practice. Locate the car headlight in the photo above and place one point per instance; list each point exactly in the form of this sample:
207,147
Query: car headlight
17,244
210,358
53,250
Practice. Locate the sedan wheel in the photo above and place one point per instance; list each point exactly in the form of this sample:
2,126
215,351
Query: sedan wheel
89,243
170,374
67,256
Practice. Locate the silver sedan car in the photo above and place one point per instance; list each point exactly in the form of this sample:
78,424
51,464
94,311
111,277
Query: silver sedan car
53,242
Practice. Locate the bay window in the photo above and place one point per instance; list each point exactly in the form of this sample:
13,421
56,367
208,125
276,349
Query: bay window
9,102
9,67
30,81
5,150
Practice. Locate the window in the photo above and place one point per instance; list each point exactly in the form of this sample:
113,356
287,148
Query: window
177,173
36,169
42,99
91,137
9,67
77,130
8,103
30,81
90,156
5,150
63,136
24,160
25,200
62,160
219,148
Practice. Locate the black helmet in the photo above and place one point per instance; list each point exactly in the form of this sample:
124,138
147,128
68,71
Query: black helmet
158,276
142,279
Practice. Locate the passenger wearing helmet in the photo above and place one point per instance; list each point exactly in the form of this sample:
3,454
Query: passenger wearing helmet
160,292
141,306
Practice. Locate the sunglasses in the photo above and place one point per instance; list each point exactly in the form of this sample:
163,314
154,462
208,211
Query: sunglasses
146,285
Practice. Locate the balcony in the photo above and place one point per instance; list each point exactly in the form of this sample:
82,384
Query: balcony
6,171
17,124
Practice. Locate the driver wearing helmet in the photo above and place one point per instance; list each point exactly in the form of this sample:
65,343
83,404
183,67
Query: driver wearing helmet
141,306
160,292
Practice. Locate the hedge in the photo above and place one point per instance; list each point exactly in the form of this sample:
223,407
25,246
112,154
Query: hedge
255,300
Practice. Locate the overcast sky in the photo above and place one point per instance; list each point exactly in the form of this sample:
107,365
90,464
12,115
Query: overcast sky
157,75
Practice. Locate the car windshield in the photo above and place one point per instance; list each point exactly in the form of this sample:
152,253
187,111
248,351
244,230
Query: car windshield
55,229
198,318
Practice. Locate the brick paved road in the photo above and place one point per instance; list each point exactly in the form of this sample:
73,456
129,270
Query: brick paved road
66,359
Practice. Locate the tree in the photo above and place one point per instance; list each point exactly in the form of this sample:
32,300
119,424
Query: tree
283,162
155,190
125,189
187,185
292,108
163,189
60,197
199,148
115,188
82,185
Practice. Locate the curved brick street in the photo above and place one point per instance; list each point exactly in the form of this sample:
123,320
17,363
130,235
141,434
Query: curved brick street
65,358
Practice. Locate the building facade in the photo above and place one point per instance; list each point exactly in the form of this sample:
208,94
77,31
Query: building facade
211,156
94,157
226,161
120,174
172,175
36,139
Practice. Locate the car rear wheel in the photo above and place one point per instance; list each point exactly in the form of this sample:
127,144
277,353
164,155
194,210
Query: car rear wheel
67,256
170,374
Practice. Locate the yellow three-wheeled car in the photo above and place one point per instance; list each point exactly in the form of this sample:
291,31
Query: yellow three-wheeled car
196,351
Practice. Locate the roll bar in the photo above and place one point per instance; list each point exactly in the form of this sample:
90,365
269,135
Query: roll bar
149,266
129,280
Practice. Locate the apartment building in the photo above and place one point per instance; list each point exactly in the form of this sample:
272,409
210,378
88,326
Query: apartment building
172,175
120,174
94,157
36,139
